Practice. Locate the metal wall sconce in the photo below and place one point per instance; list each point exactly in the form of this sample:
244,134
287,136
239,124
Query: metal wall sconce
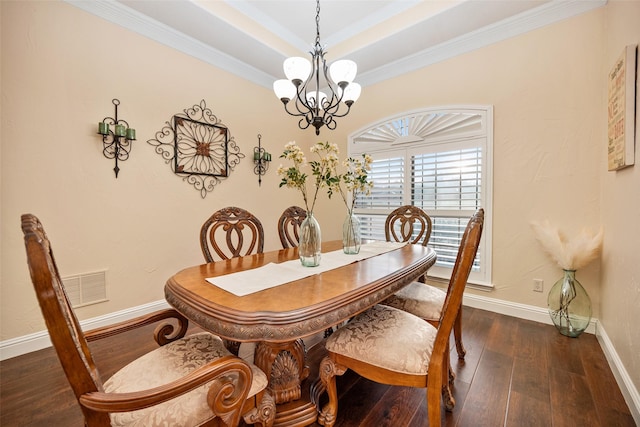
261,158
117,142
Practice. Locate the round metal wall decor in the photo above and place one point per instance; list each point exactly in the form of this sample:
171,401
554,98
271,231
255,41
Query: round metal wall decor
198,147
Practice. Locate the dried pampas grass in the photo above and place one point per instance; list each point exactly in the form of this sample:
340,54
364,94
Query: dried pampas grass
570,254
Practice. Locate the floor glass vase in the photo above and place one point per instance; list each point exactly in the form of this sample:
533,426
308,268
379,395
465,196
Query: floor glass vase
310,241
351,239
569,305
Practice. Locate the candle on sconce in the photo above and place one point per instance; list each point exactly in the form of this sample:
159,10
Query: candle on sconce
120,130
131,134
267,157
256,155
103,128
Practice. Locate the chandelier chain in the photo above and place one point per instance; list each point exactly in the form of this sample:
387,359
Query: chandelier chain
317,22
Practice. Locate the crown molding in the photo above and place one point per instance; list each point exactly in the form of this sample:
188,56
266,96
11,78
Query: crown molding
546,14
130,19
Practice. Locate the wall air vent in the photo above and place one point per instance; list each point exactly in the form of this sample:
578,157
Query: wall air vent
86,289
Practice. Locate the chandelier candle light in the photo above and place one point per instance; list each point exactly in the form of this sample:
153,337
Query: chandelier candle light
313,106
568,302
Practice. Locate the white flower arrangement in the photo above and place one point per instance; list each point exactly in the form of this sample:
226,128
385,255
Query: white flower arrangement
355,180
323,170
569,253
325,173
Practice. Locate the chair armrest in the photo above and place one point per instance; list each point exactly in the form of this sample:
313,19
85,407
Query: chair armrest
224,397
163,334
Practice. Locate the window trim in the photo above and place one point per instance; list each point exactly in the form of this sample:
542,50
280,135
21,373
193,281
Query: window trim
433,127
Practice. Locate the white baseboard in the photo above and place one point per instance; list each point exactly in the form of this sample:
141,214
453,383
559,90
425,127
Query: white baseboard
39,340
521,311
629,391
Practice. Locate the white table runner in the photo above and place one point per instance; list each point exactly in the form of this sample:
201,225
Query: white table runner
271,275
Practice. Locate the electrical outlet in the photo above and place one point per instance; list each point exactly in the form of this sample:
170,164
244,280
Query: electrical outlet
538,285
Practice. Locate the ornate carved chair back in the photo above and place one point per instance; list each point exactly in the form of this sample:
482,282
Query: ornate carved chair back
66,334
231,232
408,224
289,226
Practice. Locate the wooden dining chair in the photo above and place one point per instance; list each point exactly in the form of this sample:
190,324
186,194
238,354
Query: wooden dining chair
392,346
412,224
289,226
231,232
187,381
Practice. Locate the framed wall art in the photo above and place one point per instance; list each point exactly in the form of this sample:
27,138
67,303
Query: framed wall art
621,110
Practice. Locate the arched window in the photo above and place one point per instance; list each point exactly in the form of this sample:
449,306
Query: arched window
439,159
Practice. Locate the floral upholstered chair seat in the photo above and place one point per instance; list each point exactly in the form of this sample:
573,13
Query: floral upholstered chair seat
168,363
379,327
420,299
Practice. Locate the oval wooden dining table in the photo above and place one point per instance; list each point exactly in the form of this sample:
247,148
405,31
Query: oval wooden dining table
279,317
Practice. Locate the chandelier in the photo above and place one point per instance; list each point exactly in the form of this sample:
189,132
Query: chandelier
313,106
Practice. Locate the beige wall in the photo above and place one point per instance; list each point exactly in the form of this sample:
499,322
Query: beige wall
548,89
620,213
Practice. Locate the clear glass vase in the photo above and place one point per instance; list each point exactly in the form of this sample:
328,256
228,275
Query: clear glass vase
569,305
351,239
310,241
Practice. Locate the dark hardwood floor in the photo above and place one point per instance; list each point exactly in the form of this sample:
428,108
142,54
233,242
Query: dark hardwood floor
516,373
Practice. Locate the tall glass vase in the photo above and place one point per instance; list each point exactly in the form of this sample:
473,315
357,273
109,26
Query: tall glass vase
310,241
351,239
569,305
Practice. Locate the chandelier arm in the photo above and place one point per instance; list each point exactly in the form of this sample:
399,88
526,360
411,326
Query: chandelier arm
332,108
304,123
307,112
297,104
305,119
330,123
329,104
343,114
335,110
302,103
292,113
